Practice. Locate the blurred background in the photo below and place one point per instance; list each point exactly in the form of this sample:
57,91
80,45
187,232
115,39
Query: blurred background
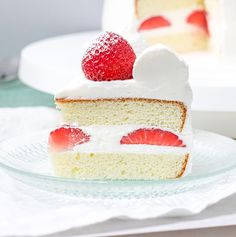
23,22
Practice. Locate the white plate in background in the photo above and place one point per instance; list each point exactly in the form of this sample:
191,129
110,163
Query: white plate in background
50,64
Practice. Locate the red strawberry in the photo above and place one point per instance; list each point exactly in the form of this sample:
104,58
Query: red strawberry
66,138
199,18
110,57
152,136
154,22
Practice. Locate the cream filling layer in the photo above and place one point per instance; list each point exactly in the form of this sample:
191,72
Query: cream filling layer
107,139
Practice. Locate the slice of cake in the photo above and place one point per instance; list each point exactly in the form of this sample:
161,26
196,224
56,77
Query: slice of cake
128,118
181,25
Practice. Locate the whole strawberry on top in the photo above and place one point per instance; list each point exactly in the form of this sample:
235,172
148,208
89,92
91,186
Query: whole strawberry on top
109,58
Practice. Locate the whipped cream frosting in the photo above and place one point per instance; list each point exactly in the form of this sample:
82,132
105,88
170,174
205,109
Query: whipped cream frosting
158,74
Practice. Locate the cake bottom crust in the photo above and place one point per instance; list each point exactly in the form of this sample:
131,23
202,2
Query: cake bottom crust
182,42
119,166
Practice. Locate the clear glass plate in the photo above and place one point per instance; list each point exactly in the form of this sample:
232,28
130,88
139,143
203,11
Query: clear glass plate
26,159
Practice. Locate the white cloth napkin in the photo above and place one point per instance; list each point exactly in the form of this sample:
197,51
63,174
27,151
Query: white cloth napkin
27,211
17,121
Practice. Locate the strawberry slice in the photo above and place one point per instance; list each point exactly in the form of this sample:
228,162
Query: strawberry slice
66,138
199,18
154,22
152,136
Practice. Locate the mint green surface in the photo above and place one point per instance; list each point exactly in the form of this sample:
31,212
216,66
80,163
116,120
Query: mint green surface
16,94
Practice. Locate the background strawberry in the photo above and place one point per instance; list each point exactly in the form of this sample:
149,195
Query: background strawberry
199,18
154,23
